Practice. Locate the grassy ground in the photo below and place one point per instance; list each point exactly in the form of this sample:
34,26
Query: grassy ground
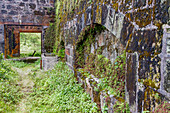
34,90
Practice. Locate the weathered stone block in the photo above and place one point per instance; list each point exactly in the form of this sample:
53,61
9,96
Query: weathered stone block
110,19
105,53
3,11
143,17
39,13
71,60
104,14
88,16
92,49
71,52
22,4
13,13
25,7
101,40
9,6
67,51
131,79
32,6
3,6
161,11
48,62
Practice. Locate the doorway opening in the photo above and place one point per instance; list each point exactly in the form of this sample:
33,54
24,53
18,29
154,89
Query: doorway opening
30,44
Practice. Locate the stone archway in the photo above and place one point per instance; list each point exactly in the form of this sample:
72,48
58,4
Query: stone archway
100,41
97,49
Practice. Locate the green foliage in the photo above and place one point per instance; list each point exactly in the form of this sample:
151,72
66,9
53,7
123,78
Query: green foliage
20,64
37,54
121,107
1,57
54,91
9,57
111,76
61,53
30,39
84,42
50,38
105,108
57,91
9,90
29,43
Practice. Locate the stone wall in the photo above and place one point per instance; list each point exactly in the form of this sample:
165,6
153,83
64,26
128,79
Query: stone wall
24,12
165,59
138,26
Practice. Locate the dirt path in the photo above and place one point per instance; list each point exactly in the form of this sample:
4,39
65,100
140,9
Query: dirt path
26,84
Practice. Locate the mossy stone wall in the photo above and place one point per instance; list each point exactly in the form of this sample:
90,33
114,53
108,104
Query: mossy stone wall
138,26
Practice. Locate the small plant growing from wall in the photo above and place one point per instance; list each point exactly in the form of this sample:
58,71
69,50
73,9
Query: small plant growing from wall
61,50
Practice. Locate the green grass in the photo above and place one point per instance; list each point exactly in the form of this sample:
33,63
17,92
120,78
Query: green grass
10,94
37,54
57,91
54,91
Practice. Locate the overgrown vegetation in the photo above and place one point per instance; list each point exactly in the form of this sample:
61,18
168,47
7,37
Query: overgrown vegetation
58,91
50,38
121,107
50,43
63,8
110,74
163,107
53,91
84,42
10,94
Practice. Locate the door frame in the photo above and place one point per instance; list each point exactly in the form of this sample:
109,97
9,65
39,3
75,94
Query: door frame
17,30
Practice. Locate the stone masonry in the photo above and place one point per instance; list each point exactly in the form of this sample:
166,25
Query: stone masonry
138,25
24,12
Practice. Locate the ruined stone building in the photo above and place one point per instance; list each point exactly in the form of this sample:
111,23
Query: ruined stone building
138,28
